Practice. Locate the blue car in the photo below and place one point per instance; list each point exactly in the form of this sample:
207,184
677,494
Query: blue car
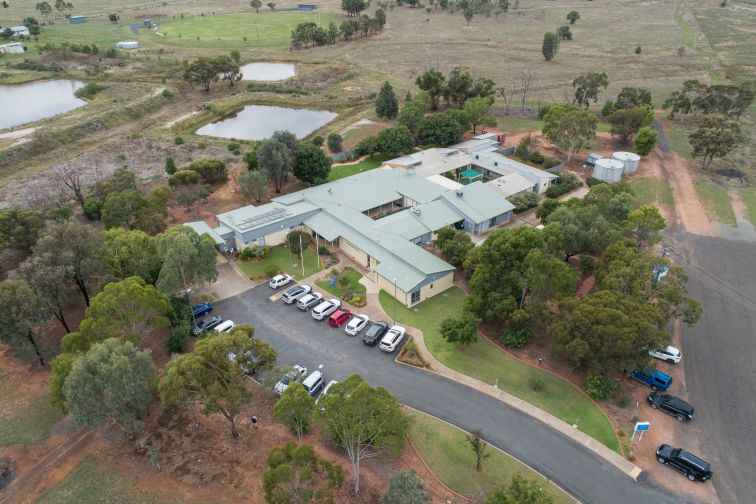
201,309
654,379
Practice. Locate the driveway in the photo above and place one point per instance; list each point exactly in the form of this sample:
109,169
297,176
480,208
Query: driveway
299,339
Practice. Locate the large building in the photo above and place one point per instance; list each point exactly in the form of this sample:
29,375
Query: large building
382,218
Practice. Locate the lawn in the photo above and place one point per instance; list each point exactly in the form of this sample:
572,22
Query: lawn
487,362
514,124
339,172
26,416
651,190
239,30
354,283
280,257
716,201
748,195
90,482
446,451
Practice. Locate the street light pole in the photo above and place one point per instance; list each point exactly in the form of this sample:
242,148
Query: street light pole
189,298
394,302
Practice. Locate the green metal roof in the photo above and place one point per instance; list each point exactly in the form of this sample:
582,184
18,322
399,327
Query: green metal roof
478,202
202,228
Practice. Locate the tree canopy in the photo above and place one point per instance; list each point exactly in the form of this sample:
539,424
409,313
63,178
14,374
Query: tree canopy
20,228
274,158
21,315
550,45
520,491
294,409
716,136
311,164
432,81
440,129
386,105
462,330
406,488
188,259
570,128
588,87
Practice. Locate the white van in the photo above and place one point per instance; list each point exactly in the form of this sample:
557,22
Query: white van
225,326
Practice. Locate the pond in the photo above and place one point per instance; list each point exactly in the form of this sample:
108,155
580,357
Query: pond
37,100
268,71
257,122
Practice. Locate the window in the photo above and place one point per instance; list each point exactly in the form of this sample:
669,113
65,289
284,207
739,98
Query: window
415,297
492,222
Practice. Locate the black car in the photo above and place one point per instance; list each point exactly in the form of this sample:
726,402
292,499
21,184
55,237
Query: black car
671,405
374,333
206,324
695,468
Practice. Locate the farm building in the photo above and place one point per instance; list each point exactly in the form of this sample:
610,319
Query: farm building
18,31
380,218
13,48
307,6
77,19
127,44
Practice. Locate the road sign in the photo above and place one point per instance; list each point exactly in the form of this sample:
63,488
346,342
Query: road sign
640,427
332,282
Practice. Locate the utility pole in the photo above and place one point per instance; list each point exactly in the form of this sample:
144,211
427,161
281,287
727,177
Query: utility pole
394,302
301,251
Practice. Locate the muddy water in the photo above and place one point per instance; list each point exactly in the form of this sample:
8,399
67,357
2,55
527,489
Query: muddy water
268,71
257,122
37,100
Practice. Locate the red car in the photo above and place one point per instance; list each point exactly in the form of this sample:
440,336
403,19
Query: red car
339,317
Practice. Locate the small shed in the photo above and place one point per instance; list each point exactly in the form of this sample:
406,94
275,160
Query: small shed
307,6
592,158
77,19
127,44
20,31
13,48
147,22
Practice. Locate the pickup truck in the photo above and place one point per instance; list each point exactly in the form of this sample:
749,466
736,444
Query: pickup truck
654,379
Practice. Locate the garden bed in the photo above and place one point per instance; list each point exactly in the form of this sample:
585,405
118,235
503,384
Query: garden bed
348,287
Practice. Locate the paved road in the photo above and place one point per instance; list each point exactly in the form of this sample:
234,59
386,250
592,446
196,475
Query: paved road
719,358
299,339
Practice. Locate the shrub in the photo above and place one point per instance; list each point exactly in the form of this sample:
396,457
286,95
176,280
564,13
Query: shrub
516,337
623,401
565,183
177,340
318,140
367,146
536,158
544,110
271,270
536,384
89,90
254,253
178,141
323,251
210,171
592,181
112,53
600,387
201,145
333,273
608,108
524,201
587,264
233,146
170,165
343,281
183,177
167,93
335,142
550,162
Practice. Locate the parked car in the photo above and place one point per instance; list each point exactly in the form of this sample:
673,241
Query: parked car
314,383
356,325
295,293
692,466
669,354
248,364
671,405
206,324
325,389
654,379
280,280
338,318
201,309
393,337
225,326
325,308
291,376
309,300
374,333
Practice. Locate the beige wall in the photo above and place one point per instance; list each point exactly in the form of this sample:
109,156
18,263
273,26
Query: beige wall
439,286
388,286
353,252
277,238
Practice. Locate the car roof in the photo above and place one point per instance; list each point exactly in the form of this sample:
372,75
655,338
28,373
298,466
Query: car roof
695,459
310,380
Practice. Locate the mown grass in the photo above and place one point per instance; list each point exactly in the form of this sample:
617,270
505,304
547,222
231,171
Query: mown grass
354,283
91,482
24,419
487,362
748,195
446,451
514,124
648,191
339,172
716,201
280,257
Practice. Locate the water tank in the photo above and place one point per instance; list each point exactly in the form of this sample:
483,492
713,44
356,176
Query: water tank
629,160
608,170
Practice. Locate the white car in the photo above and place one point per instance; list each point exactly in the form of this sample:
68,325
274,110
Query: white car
356,324
225,326
294,375
309,301
669,354
325,390
295,293
392,339
280,280
325,308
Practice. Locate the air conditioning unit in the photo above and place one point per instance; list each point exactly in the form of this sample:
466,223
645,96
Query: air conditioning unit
459,193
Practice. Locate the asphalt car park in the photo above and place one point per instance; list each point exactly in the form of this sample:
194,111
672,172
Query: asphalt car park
300,339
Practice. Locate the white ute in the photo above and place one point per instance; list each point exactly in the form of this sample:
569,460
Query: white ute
279,281
325,308
392,339
356,324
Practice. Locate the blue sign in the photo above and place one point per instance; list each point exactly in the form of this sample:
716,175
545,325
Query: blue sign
642,426
332,282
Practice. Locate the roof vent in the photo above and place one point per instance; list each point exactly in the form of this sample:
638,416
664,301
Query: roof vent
496,163
415,210
459,193
329,189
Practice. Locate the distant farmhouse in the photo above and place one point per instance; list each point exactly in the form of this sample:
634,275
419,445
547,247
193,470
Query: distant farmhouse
13,48
18,31
77,19
381,218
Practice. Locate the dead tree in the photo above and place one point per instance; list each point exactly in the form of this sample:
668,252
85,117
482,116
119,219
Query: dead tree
69,178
